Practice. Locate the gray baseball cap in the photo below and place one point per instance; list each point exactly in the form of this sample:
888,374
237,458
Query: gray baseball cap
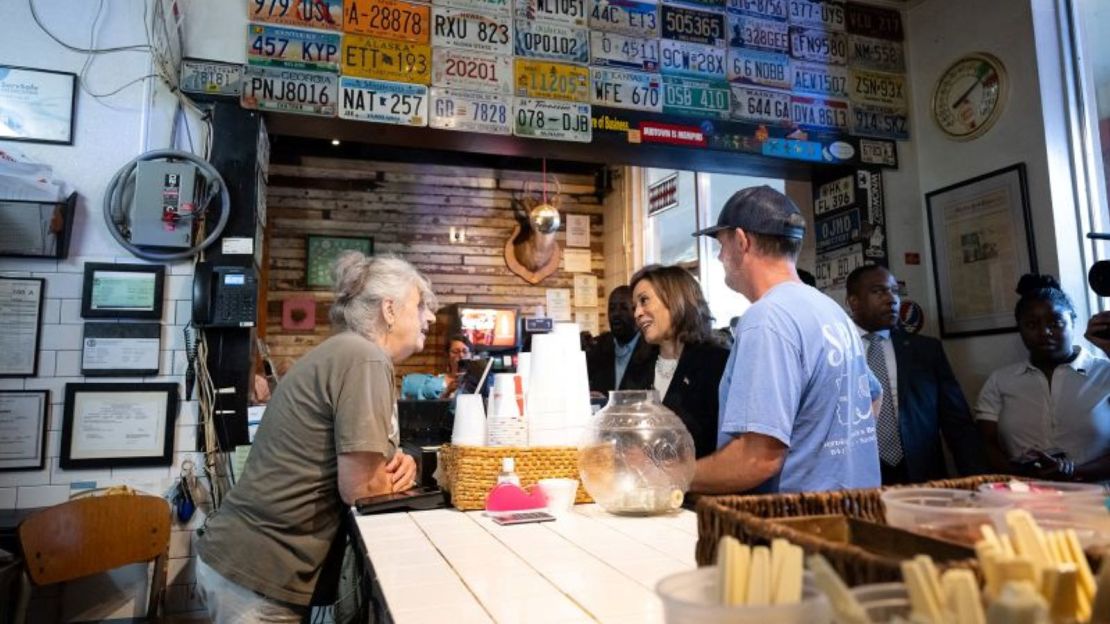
761,210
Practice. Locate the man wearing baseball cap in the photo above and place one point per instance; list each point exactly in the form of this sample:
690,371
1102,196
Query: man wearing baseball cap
797,399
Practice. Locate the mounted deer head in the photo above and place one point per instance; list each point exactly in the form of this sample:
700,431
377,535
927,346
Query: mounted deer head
531,251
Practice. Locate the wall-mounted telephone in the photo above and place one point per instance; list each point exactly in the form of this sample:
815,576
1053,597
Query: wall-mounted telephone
224,296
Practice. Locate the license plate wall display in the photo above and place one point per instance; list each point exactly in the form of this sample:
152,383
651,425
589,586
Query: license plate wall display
613,50
760,105
389,19
386,59
289,90
769,9
281,46
501,8
325,14
757,33
849,222
880,121
877,54
473,71
827,14
814,113
551,81
692,97
871,21
471,30
622,88
819,79
693,26
487,113
833,268
837,230
819,46
550,119
679,58
627,17
554,42
839,193
569,12
877,88
756,67
385,102
211,77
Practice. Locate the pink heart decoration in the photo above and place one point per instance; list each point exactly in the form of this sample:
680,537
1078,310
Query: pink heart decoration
509,497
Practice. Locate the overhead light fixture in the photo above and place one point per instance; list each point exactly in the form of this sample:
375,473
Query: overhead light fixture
335,141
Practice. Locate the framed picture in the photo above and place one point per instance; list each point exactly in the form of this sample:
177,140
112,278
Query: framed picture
37,105
981,236
21,318
132,291
322,251
23,429
118,424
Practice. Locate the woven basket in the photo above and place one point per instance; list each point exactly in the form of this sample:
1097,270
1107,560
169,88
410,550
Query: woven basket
470,472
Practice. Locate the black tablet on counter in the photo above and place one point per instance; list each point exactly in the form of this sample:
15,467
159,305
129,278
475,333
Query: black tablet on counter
415,499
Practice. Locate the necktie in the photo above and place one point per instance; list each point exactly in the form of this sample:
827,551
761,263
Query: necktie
890,439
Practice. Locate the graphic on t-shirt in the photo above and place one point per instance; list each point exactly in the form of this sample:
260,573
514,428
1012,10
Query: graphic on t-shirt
841,350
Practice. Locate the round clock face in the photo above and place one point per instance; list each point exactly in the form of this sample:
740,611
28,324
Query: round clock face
968,97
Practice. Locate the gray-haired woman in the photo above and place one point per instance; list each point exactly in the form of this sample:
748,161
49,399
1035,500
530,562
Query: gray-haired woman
329,437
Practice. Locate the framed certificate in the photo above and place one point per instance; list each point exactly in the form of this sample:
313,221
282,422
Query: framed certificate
131,291
23,429
117,424
21,319
36,105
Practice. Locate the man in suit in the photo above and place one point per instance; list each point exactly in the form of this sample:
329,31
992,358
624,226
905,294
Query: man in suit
619,349
921,398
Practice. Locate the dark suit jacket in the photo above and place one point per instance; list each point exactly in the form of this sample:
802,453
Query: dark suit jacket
693,391
601,358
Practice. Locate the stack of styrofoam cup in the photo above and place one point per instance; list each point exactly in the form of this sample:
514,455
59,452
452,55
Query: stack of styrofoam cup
506,425
470,421
558,399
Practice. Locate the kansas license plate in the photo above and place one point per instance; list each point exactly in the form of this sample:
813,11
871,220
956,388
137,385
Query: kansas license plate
211,77
767,69
821,46
551,81
760,105
681,24
280,46
692,59
547,119
488,113
880,121
872,53
757,33
380,101
569,12
832,269
871,21
392,19
326,14
554,42
695,98
289,90
621,88
501,8
473,71
835,195
819,113
819,79
386,59
772,9
472,30
877,88
628,17
613,50
837,230
828,14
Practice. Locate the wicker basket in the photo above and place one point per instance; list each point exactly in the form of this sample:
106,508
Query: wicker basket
470,472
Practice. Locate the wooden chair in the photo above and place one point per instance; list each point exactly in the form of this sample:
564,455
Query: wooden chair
97,534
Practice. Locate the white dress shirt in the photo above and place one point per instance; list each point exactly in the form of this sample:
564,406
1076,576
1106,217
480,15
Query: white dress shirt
888,355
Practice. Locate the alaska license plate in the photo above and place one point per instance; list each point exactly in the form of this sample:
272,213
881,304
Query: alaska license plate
757,33
827,14
211,77
386,59
326,14
819,79
472,30
771,9
820,46
622,88
880,121
289,90
613,50
380,101
627,17
767,69
692,97
877,88
837,230
819,113
391,19
872,53
760,105
547,119
835,195
501,8
553,42
569,12
280,46
693,26
488,113
550,81
691,59
473,71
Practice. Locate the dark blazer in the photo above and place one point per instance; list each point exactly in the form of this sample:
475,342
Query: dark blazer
601,358
931,404
693,391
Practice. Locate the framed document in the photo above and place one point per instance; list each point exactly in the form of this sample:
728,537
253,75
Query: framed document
21,318
117,424
23,429
36,105
121,349
131,291
322,251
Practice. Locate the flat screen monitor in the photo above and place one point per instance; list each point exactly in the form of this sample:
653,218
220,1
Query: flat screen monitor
488,327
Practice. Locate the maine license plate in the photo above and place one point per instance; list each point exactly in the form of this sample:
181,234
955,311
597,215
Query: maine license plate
473,71
551,81
767,69
773,9
468,111
816,13
837,230
386,59
613,50
819,113
502,8
880,121
819,79
472,30
880,54
821,46
628,17
621,88
832,269
554,42
289,90
760,34
681,24
279,46
570,12
392,19
835,195
760,105
211,77
546,119
877,88
695,98
327,14
380,101
692,59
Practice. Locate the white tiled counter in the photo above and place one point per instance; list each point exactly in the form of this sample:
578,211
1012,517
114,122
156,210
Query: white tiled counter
587,566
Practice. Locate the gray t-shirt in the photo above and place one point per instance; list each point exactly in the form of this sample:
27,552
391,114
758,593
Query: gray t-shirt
273,532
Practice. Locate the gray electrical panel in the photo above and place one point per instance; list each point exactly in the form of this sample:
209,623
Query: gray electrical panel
163,205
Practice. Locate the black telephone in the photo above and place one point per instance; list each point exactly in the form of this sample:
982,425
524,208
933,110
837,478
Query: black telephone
224,296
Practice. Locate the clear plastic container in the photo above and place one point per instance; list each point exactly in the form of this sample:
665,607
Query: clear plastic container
1057,506
884,602
693,598
948,514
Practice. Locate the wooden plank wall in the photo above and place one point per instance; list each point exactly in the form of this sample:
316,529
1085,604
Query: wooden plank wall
408,210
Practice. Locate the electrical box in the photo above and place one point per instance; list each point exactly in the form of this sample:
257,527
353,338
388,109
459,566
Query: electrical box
164,204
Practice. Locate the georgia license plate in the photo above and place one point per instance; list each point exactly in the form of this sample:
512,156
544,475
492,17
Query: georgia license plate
819,79
822,46
819,113
555,42
488,113
837,230
621,88
613,50
326,14
569,12
694,26
832,269
878,88
628,17
773,9
551,81
835,195
695,98
691,59
501,8
211,77
880,121
871,53
547,119
472,30
760,105
473,71
279,46
289,90
767,69
757,33
386,59
816,13
380,101
392,19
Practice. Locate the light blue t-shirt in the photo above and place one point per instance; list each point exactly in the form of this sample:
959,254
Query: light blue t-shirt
798,373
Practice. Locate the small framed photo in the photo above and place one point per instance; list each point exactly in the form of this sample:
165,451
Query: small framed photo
118,425
322,251
21,319
37,105
132,291
23,416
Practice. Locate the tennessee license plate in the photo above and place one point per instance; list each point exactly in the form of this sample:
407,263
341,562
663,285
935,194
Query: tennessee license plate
819,113
877,88
551,81
547,119
680,24
279,46
872,53
760,105
628,17
695,98
772,9
472,30
488,113
289,90
569,12
767,69
386,59
554,42
501,8
816,13
835,195
326,14
391,19
821,46
819,79
211,77
880,121
837,230
379,101
474,71
692,59
613,50
760,34
621,88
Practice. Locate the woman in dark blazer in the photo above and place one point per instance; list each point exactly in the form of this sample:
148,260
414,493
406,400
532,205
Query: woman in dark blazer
687,358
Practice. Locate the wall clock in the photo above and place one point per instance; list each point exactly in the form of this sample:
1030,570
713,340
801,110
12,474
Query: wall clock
969,96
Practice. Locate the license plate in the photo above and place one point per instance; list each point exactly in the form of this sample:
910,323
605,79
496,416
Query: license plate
772,9
880,121
289,90
391,19
819,113
821,46
832,269
827,14
547,119
837,230
767,69
692,59
680,24
613,50
551,81
695,98
211,77
760,105
712,5
760,34
628,17
835,195
878,153
872,53
380,101
501,8
819,79
386,59
279,46
488,113
472,30
877,88
326,14
621,88
870,21
569,12
474,71
555,42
